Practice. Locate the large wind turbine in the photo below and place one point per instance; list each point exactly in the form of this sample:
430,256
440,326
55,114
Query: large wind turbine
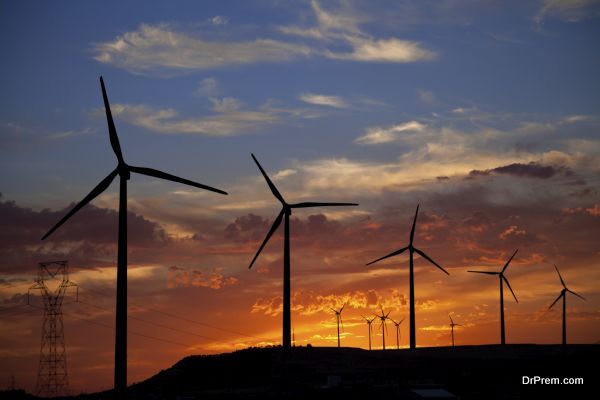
563,294
501,277
369,322
397,324
284,214
338,318
383,317
452,325
412,250
124,171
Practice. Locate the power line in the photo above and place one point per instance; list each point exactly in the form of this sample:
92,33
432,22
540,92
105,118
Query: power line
182,318
113,328
151,322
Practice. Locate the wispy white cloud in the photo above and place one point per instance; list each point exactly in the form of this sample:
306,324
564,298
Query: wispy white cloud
162,49
152,48
323,100
569,10
426,96
379,135
208,87
219,20
383,50
228,119
342,26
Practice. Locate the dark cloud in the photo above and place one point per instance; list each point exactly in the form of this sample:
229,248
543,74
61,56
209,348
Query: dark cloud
88,237
530,170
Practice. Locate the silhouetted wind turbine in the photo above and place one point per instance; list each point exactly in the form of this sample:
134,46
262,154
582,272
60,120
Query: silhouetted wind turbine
452,325
412,250
286,211
563,294
383,326
369,322
501,277
123,170
397,324
338,318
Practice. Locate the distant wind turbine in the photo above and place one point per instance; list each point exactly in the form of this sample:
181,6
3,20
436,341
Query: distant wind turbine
501,277
412,250
369,322
383,317
123,170
338,318
397,324
284,214
452,325
563,294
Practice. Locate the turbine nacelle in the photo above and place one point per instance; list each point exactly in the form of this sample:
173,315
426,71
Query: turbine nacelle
286,208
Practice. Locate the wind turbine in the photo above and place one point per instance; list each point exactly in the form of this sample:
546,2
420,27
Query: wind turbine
383,326
412,250
452,325
286,211
563,294
338,317
397,324
501,277
369,322
124,171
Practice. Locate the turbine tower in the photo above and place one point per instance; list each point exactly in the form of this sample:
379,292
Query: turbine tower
397,324
338,318
124,171
563,294
412,250
369,322
383,317
502,278
284,214
452,325
52,379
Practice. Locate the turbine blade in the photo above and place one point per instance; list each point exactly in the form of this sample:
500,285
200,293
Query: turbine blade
332,309
112,131
412,230
401,321
572,292
317,204
395,253
562,293
271,185
509,260
561,279
342,322
508,284
457,325
422,254
274,227
452,322
163,175
342,309
485,272
101,187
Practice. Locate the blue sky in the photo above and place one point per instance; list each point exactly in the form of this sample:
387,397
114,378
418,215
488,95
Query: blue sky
486,113
527,62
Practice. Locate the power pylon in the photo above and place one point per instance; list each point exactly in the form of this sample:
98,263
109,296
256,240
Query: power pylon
52,379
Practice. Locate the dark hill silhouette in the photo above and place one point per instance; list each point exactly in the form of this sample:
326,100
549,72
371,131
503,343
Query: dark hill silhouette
466,372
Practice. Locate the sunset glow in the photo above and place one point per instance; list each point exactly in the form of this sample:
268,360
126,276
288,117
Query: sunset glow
485,115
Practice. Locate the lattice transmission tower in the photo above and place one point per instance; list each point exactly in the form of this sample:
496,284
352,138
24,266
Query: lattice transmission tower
52,379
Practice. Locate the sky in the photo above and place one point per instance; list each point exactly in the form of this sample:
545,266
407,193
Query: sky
484,113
